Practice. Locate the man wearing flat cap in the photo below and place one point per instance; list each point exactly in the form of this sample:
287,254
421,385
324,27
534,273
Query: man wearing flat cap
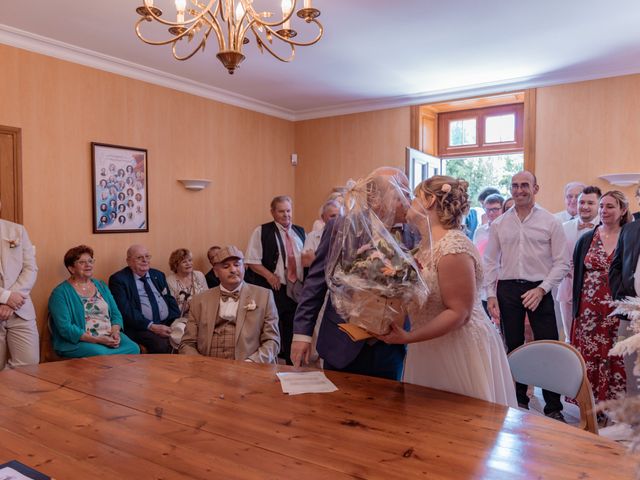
235,320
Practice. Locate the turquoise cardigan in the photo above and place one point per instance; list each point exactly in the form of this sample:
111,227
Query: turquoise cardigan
68,317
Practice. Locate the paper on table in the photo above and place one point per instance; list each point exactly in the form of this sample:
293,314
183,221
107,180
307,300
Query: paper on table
8,473
295,383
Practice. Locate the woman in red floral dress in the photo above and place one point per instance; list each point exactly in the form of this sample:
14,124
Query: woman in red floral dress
594,332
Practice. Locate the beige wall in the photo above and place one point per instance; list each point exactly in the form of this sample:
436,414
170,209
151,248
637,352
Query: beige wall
333,150
584,130
61,107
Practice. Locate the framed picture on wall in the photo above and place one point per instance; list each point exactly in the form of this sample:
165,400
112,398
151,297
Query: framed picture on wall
120,189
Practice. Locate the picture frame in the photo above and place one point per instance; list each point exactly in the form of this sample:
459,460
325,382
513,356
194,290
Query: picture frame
120,189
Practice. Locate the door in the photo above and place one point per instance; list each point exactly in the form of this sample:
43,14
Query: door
10,174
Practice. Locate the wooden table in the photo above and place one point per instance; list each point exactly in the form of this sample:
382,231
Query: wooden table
179,417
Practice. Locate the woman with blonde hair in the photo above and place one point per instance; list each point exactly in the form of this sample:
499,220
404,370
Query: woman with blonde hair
594,331
184,283
453,345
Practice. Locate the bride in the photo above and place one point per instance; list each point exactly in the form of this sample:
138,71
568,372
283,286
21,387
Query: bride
453,345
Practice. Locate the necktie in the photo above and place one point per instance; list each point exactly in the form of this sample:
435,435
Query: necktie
155,311
224,296
292,276
582,226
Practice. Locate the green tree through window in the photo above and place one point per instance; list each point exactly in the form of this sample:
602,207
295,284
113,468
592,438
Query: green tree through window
480,172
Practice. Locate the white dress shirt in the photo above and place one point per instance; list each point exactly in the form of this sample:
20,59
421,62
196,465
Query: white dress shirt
253,254
313,240
228,309
573,232
534,249
564,216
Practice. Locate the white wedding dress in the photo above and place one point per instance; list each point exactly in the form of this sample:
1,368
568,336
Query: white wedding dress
470,360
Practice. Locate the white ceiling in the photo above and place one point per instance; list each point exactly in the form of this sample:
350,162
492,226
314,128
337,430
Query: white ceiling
374,53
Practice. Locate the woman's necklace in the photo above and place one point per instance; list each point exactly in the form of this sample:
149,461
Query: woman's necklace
84,288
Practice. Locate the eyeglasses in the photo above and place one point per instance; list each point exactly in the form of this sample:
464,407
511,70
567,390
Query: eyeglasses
495,209
85,262
141,258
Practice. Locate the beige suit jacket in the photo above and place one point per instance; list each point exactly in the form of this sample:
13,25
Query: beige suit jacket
18,269
257,333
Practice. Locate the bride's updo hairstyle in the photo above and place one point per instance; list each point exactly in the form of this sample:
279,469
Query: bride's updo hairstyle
451,199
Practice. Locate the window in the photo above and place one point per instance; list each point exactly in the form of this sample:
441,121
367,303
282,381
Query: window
481,131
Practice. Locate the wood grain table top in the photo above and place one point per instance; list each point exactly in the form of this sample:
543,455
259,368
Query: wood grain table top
182,417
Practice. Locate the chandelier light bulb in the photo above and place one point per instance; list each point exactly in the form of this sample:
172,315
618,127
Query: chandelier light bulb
230,22
239,11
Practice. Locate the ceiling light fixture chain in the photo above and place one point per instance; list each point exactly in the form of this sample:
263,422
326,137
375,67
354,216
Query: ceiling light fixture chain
230,21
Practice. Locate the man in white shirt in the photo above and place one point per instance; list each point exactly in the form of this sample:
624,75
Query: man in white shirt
492,206
274,260
586,220
235,320
571,192
330,210
524,259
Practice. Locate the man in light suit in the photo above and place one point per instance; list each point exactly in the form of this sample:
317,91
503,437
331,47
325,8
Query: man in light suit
235,320
389,199
624,281
144,300
19,343
587,219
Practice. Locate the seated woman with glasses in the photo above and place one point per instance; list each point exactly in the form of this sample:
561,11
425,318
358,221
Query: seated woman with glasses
85,320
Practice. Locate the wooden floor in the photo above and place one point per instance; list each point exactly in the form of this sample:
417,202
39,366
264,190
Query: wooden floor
180,417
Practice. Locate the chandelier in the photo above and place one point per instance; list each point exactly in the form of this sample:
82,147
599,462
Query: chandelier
231,21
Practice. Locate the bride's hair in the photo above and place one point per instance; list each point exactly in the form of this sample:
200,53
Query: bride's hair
451,198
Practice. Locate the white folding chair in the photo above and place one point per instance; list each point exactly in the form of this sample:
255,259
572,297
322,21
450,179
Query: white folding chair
558,367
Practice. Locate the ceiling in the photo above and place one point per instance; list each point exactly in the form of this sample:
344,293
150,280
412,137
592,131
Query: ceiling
374,54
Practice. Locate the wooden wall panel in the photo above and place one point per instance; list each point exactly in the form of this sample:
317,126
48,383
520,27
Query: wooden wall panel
333,150
584,130
61,107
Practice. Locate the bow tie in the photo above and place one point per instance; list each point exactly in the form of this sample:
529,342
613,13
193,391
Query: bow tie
224,296
582,226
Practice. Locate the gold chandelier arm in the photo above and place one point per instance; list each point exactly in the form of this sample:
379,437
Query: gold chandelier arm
299,44
199,47
213,22
248,7
204,10
263,44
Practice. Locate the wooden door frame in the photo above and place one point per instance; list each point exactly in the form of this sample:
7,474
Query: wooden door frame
16,133
529,132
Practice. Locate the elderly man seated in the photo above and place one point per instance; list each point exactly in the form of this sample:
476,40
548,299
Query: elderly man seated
144,299
235,320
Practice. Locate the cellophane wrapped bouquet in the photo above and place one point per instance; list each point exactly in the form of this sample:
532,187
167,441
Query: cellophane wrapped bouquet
371,274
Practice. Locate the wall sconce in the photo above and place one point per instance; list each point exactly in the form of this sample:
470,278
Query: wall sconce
195,184
622,179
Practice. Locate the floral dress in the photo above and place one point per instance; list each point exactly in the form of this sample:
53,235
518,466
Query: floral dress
594,332
96,314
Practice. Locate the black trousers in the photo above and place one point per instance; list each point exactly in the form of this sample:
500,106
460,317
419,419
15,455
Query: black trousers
152,342
286,311
543,324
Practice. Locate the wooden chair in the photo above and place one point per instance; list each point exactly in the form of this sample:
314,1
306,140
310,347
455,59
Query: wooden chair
558,367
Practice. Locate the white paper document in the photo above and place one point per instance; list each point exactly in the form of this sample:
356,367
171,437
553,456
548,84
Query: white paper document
295,383
8,473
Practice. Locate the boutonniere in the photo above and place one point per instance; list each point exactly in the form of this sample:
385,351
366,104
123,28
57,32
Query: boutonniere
164,292
14,243
251,306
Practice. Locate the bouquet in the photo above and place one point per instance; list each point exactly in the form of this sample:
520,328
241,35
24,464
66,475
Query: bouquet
371,275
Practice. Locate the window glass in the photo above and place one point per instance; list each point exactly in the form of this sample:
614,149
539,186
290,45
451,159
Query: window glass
500,128
462,132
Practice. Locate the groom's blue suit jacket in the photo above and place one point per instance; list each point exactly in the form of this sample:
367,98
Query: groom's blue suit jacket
333,345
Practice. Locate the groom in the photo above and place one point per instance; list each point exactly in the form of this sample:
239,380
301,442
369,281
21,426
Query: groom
389,199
